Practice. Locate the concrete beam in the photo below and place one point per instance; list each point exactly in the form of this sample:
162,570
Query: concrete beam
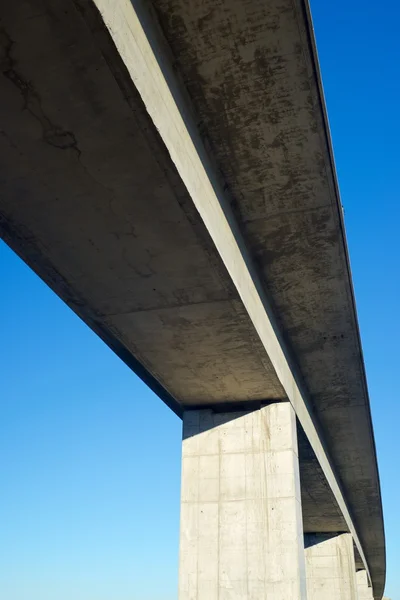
147,59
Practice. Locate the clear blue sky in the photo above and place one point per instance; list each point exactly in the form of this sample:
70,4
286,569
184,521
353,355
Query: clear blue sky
90,458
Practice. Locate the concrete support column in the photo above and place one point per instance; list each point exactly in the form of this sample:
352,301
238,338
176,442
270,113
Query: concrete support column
330,567
363,587
241,524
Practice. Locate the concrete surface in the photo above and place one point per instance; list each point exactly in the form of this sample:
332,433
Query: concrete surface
363,588
168,108
252,73
91,199
241,525
330,567
320,509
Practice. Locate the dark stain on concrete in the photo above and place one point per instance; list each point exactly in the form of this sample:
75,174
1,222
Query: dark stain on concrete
52,134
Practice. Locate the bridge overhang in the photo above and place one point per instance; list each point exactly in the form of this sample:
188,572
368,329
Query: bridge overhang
171,178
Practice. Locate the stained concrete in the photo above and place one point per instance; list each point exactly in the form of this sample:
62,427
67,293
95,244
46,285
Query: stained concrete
241,526
330,567
92,201
252,74
169,110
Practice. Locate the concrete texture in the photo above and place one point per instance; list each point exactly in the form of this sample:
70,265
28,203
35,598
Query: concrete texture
241,526
168,107
363,588
92,200
320,508
252,73
330,567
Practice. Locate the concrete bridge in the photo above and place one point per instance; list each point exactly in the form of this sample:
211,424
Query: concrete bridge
166,167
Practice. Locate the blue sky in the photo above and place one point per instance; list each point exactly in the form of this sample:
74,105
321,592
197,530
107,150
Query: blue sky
90,458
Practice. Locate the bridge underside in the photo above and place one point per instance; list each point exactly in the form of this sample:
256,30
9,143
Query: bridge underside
92,201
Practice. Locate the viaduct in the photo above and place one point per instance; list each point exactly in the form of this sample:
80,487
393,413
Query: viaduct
166,168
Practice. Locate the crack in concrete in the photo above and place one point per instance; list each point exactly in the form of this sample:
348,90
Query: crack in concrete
4,135
52,134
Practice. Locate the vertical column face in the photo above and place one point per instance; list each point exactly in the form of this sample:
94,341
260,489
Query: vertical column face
363,588
241,524
330,567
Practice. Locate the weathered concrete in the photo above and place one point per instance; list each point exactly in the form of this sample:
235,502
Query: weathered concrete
320,509
168,107
252,73
330,567
241,524
364,589
91,198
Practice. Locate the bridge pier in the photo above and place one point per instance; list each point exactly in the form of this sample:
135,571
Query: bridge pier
241,522
330,567
363,587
